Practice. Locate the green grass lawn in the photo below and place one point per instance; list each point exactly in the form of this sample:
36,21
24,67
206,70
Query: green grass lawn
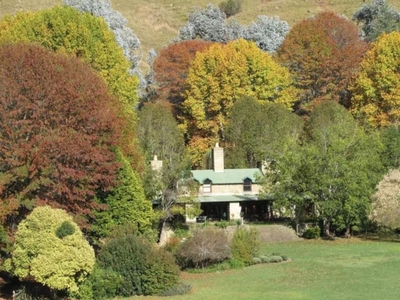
343,269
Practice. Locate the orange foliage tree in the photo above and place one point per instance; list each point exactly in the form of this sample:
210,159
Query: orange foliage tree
171,68
58,130
322,53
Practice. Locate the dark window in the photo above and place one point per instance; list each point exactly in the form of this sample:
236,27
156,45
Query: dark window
207,186
247,185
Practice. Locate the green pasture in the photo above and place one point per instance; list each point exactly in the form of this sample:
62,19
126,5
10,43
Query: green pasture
342,269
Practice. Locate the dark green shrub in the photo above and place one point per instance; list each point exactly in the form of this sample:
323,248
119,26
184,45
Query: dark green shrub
312,233
179,289
207,246
145,270
231,7
245,244
65,229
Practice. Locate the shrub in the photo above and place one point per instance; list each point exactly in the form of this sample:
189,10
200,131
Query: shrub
65,229
245,244
312,233
265,259
145,270
275,259
222,224
231,7
257,260
179,289
173,244
205,247
236,264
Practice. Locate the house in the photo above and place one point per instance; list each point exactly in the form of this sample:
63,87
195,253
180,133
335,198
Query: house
230,194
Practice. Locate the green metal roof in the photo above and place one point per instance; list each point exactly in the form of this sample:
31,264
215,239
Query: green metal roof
229,176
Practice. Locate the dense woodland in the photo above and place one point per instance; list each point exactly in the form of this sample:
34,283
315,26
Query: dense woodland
318,103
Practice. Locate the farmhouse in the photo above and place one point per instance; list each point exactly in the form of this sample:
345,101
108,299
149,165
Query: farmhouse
230,194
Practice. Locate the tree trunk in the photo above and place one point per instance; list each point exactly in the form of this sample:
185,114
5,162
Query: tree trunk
164,234
348,232
327,225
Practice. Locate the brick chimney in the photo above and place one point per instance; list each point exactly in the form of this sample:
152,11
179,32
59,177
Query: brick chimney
218,158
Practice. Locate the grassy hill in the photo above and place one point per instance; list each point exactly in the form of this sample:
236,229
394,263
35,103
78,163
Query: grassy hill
156,22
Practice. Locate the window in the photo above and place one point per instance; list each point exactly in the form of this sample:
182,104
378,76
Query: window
247,185
207,186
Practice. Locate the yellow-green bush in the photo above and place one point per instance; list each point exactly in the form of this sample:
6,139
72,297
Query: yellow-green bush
39,255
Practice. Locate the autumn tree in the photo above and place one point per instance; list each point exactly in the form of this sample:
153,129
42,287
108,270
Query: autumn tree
259,132
171,68
220,76
323,53
59,127
376,93
66,30
377,18
386,201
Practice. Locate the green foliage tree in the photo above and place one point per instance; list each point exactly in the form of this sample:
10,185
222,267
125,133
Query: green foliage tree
259,132
390,156
58,133
217,79
60,263
231,7
335,170
322,53
125,204
377,18
376,93
160,136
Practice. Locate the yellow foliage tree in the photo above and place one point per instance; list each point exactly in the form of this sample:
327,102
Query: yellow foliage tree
50,249
376,89
219,77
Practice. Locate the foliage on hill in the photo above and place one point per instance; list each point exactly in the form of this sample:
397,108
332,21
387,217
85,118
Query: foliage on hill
322,53
376,88
58,131
40,255
217,78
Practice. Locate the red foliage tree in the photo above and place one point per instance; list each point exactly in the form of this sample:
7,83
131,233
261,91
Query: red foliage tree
57,132
322,53
171,68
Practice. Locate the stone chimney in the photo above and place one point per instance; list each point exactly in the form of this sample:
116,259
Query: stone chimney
156,164
218,158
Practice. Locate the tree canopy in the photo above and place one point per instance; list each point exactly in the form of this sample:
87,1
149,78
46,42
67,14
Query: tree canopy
59,127
322,53
376,92
50,249
217,78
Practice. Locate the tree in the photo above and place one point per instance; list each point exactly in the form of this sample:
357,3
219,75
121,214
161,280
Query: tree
210,24
58,129
66,30
377,18
171,68
125,204
322,53
390,156
217,79
375,89
385,202
50,249
160,136
124,36
231,7
334,171
258,132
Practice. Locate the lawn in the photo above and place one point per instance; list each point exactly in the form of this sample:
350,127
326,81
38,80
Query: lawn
343,269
